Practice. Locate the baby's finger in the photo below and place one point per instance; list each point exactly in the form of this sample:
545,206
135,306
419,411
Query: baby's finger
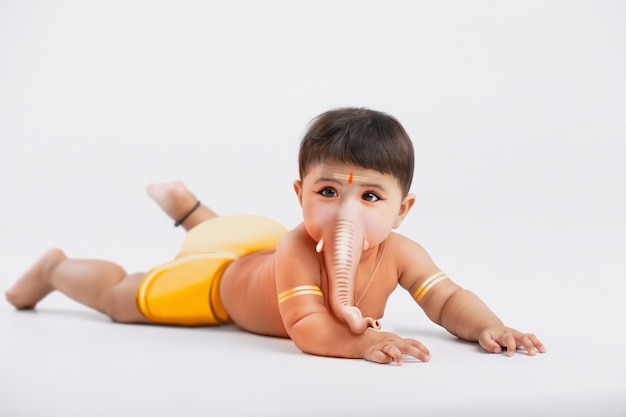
394,352
508,340
538,345
525,342
489,344
417,350
379,356
531,344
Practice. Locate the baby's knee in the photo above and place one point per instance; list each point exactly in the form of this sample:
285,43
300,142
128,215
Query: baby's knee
119,312
121,305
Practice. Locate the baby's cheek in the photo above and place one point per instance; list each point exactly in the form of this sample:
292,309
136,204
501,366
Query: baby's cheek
375,230
318,220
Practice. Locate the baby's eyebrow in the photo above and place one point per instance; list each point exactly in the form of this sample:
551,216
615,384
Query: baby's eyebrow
327,179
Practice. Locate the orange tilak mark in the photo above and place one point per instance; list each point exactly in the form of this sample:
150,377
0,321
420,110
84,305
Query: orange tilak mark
350,178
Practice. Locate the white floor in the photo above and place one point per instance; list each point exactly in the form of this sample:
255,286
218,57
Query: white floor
517,114
65,360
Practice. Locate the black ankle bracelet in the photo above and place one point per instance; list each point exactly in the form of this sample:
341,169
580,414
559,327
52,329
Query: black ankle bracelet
179,222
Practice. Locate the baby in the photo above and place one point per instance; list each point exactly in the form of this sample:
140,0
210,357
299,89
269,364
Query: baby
323,284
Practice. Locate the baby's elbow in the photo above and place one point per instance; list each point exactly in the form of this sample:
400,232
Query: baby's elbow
302,333
436,308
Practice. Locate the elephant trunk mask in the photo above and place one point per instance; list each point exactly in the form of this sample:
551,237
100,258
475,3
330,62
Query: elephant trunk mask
342,253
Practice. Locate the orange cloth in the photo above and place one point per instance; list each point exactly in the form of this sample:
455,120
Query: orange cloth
186,291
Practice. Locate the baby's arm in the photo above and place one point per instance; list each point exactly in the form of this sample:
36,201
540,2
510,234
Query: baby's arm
459,311
314,330
312,327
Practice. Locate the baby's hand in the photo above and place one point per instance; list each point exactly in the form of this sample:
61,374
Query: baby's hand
384,347
494,338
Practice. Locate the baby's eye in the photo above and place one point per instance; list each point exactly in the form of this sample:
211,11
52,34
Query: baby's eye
371,197
327,192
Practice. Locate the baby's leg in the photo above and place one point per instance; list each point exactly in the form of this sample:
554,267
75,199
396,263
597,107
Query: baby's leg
101,285
176,201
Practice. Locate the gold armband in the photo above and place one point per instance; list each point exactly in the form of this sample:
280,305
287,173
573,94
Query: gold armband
296,291
428,284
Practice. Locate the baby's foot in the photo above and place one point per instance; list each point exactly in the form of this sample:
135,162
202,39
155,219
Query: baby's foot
173,197
35,284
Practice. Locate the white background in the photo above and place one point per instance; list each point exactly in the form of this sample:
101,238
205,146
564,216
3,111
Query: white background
517,111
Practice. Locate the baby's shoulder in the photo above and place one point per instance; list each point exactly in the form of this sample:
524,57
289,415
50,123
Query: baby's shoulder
297,240
407,252
410,258
403,246
295,255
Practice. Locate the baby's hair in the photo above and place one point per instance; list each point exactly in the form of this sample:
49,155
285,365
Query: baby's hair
362,137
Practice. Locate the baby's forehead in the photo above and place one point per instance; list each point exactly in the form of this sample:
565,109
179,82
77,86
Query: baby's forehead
347,172
341,169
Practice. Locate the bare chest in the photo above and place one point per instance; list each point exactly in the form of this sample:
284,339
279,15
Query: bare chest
372,288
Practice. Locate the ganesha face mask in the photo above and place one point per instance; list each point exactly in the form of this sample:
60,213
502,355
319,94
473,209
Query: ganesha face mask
348,210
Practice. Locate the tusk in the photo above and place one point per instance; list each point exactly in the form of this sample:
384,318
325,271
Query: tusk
366,244
319,246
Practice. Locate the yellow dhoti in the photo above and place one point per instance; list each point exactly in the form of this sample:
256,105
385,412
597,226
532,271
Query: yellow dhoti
185,291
